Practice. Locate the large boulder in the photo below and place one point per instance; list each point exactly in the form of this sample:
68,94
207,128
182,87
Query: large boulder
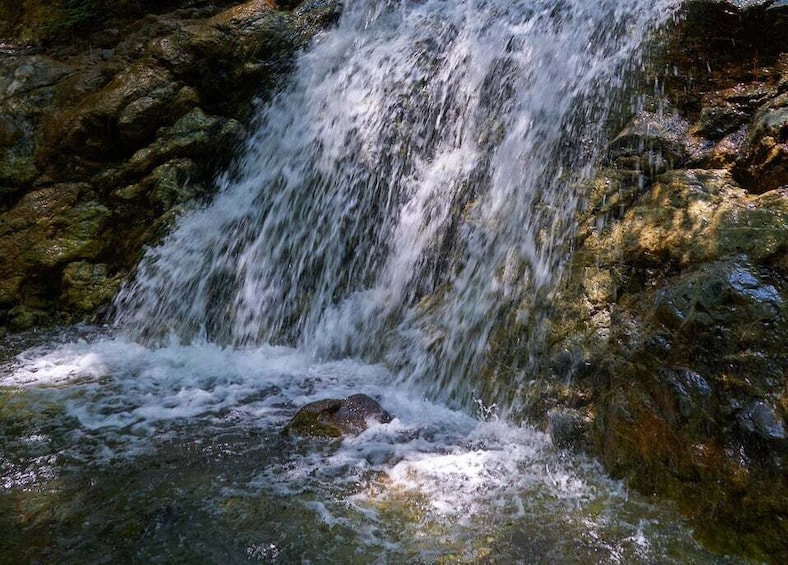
672,324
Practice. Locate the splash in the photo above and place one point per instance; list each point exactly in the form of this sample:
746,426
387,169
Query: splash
409,192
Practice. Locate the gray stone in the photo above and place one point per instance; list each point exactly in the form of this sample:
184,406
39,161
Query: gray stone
760,419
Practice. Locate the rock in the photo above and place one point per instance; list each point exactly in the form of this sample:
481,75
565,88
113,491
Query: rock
568,428
674,314
725,111
23,74
171,184
766,164
716,293
652,142
762,420
87,287
49,228
694,215
227,57
727,153
669,332
123,114
140,112
27,88
194,135
17,170
23,318
332,417
687,395
717,45
610,194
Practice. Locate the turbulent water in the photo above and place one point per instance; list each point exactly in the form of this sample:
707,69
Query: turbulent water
113,452
410,189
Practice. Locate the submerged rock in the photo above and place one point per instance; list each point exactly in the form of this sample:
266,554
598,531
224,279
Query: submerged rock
333,417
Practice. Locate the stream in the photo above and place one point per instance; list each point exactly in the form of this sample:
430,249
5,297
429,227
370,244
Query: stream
411,188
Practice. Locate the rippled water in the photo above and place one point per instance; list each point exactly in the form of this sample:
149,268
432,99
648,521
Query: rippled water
115,452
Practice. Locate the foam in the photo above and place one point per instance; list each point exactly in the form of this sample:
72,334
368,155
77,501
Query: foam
467,478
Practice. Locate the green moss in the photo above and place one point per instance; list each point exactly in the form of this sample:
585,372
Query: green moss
38,21
307,423
17,170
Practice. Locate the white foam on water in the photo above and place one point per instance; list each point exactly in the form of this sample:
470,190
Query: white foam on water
432,478
121,386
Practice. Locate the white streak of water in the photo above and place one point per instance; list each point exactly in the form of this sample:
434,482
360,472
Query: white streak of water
409,189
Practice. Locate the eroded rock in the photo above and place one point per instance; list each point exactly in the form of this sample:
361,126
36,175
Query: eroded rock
140,118
333,418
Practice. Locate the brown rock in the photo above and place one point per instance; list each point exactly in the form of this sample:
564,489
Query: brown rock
335,418
766,165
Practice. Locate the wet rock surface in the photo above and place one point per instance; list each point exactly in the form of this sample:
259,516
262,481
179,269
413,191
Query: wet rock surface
333,418
673,324
666,352
102,147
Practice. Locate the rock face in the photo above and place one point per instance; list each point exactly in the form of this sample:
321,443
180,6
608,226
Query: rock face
333,418
673,324
104,142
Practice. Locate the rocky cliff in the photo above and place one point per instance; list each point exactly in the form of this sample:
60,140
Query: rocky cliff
673,324
111,125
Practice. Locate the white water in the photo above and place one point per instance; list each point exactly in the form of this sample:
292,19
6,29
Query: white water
195,427
409,190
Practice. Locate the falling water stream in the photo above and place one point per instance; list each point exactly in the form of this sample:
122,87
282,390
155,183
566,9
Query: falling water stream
411,189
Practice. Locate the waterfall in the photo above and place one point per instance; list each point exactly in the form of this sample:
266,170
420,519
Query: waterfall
412,187
405,200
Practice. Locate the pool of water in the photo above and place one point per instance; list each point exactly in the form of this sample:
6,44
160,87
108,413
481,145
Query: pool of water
111,452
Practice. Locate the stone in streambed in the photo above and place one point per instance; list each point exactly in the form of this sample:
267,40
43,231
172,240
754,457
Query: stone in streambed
333,417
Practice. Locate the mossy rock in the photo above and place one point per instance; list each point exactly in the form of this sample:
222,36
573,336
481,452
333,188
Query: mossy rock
195,135
334,418
87,287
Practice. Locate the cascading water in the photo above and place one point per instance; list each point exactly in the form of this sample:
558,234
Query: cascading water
408,191
410,188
